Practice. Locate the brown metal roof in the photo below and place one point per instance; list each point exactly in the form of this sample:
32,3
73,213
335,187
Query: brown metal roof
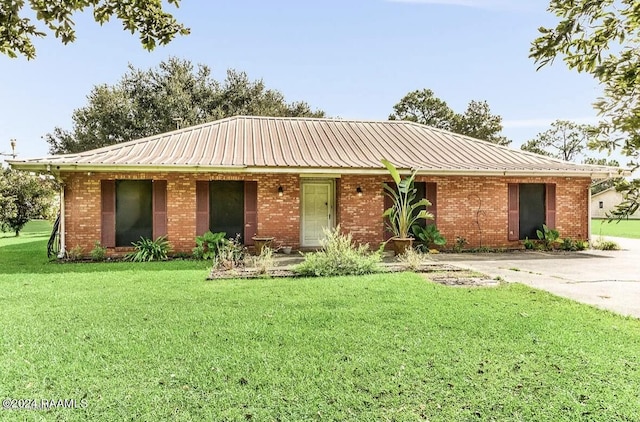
299,145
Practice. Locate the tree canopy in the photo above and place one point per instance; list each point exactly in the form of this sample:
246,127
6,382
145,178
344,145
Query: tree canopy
422,106
148,18
23,197
152,101
602,38
565,140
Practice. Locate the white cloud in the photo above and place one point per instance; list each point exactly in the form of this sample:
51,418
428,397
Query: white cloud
543,122
478,4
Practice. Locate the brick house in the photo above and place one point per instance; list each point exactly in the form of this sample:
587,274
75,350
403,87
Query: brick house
290,177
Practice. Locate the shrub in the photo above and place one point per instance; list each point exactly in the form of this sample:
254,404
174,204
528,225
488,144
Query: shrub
99,252
460,243
231,254
413,259
264,262
149,250
605,245
76,253
208,245
429,235
528,243
549,238
339,256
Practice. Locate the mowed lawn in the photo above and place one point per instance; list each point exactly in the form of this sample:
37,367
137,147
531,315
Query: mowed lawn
623,228
156,341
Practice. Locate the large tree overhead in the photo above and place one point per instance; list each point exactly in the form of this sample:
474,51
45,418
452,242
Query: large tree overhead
148,102
564,140
148,18
422,106
602,38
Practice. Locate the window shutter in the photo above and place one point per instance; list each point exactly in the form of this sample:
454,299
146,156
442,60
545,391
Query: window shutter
250,211
159,208
202,207
388,203
514,212
550,202
108,211
432,196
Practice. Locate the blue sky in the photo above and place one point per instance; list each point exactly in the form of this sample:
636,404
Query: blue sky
350,58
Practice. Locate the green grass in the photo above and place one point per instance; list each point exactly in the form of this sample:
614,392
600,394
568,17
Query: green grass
154,341
624,228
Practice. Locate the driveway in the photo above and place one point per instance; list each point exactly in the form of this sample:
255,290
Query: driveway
606,279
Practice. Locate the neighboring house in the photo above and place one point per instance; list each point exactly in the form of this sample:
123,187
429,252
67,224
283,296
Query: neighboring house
291,177
605,202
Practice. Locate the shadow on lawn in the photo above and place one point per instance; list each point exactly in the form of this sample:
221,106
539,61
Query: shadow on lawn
31,257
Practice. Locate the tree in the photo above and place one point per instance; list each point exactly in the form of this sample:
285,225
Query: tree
478,122
565,140
605,184
601,38
422,106
425,108
23,197
148,102
145,17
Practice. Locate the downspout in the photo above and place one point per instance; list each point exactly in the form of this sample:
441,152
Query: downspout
589,208
62,230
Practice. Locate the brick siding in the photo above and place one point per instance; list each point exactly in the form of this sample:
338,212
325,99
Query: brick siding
470,207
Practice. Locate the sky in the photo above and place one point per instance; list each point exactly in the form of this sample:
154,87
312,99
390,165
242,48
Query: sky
353,59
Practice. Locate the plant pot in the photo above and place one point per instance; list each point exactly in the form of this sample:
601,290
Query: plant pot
400,245
260,242
286,250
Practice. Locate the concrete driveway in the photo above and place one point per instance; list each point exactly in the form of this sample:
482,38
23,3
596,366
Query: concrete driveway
606,279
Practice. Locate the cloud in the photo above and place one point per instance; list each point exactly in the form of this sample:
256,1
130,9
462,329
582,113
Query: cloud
478,4
542,122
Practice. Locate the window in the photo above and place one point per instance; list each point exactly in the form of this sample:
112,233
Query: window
227,206
530,206
601,205
132,209
134,217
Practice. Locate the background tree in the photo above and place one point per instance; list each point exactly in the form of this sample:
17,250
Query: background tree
145,17
599,186
23,197
602,38
148,102
565,140
478,122
422,106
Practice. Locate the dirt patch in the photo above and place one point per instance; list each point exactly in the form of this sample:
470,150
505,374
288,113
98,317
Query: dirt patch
462,279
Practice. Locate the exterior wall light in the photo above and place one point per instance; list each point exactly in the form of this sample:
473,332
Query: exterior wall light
280,191
359,191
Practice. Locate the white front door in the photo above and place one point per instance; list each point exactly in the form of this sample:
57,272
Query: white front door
317,211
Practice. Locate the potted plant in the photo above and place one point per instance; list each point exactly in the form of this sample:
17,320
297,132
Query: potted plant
405,210
260,242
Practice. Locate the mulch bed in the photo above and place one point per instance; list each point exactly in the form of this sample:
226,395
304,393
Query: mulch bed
439,273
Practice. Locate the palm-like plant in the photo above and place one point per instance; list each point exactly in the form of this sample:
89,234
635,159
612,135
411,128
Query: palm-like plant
405,211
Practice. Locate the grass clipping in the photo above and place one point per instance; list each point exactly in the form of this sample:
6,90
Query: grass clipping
339,256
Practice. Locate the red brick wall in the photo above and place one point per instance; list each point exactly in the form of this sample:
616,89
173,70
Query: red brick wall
462,203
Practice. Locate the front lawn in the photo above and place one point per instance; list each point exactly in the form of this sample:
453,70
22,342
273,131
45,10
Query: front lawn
623,228
155,341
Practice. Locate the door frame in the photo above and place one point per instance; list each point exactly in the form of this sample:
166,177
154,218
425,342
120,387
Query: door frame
331,201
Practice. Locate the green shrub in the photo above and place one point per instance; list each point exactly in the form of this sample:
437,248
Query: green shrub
149,250
460,243
339,256
428,235
529,244
208,245
76,253
99,252
549,238
606,245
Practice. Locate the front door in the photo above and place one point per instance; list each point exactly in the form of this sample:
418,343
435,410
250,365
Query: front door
317,211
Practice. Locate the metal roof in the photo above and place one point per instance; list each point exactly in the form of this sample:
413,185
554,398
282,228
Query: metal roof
307,145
